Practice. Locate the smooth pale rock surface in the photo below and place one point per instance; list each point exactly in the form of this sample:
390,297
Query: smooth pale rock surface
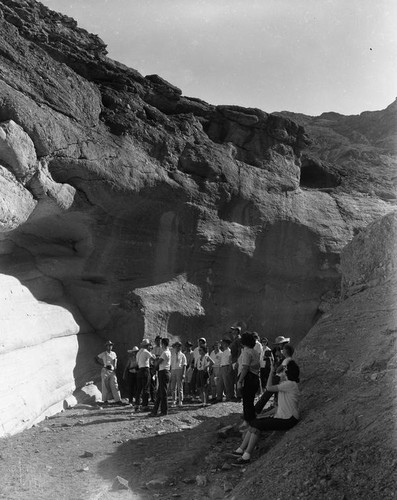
129,210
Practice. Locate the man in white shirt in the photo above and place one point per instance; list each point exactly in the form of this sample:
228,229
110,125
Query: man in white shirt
178,373
143,358
164,378
225,382
108,361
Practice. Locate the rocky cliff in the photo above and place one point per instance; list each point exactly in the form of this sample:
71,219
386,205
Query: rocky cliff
128,209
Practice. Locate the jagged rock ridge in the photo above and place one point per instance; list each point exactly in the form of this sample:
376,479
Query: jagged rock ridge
130,210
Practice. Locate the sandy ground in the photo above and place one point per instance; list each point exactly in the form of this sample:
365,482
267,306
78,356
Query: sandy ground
180,455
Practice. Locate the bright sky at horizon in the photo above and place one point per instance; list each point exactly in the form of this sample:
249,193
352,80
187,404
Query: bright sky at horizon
306,56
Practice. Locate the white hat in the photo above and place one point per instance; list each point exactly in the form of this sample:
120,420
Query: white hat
145,342
134,349
281,340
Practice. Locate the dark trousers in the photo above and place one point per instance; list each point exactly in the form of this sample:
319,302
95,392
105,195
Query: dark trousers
142,389
273,424
132,385
161,398
248,391
264,374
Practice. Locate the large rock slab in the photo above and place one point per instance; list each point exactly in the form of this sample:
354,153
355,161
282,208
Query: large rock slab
129,210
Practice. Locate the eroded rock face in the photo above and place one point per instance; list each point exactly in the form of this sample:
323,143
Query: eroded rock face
137,211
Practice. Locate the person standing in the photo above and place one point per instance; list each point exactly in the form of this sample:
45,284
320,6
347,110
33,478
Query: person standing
178,373
189,371
204,364
265,362
248,381
143,358
215,355
131,373
164,362
226,373
108,361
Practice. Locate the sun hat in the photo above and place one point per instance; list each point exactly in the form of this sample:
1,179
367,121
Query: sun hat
145,342
134,349
281,340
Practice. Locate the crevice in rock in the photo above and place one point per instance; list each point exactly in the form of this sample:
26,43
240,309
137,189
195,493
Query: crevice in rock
315,175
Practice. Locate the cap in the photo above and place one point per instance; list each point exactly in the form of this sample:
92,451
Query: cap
202,339
108,342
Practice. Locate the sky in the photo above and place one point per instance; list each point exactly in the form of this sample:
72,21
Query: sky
305,56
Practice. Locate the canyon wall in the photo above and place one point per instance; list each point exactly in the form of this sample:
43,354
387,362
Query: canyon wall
129,210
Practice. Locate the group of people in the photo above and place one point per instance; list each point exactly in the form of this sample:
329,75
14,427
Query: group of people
239,367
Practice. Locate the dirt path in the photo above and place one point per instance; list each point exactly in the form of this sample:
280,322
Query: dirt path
180,455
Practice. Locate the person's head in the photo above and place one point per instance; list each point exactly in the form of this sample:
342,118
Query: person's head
281,340
216,346
235,331
248,339
292,371
177,346
256,336
132,352
108,345
203,350
157,340
225,343
201,342
165,342
188,345
288,350
264,341
145,344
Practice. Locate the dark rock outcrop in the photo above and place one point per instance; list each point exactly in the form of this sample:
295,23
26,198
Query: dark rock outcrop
130,210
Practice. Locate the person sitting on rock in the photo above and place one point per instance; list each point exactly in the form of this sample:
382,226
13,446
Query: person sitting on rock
286,417
108,361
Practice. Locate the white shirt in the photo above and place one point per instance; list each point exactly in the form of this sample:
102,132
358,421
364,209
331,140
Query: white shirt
203,362
216,357
288,399
166,357
143,357
108,358
178,360
263,362
226,357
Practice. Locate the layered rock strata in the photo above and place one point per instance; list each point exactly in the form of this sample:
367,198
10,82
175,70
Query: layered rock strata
129,210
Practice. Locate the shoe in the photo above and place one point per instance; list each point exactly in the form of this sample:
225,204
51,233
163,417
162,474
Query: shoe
137,409
151,414
163,414
173,404
122,403
237,453
145,408
180,405
240,462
